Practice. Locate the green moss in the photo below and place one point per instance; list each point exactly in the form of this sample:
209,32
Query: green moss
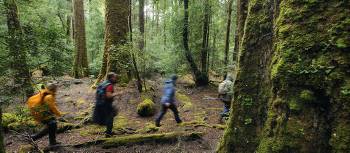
340,138
307,96
149,128
294,106
91,130
185,100
27,149
142,138
18,122
146,108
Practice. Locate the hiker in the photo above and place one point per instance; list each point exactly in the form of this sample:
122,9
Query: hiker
44,110
168,100
225,95
104,112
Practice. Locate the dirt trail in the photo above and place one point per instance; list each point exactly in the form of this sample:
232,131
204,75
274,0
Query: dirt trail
198,114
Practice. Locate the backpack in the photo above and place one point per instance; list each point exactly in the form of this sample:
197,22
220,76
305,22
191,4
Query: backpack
224,87
101,90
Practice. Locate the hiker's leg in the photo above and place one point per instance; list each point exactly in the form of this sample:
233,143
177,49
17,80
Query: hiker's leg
176,113
161,114
52,131
41,133
109,124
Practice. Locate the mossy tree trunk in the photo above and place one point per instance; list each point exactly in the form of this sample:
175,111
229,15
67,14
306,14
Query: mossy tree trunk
17,50
200,78
292,91
242,10
80,66
115,57
2,146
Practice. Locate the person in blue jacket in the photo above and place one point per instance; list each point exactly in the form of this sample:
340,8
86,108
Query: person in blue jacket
168,100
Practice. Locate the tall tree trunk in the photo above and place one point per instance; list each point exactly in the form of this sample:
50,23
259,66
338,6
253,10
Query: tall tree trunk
80,66
116,29
228,29
69,20
242,10
164,25
204,52
142,24
137,74
199,78
142,41
292,89
17,50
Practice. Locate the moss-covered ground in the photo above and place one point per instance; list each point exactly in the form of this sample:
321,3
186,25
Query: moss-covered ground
199,132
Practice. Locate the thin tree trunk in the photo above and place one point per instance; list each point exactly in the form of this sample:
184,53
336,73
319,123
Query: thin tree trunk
227,37
137,74
80,67
199,78
142,41
204,52
17,50
141,24
116,29
164,25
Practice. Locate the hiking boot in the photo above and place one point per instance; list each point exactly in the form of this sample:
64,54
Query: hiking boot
157,124
53,144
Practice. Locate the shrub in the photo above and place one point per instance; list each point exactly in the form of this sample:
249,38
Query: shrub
146,108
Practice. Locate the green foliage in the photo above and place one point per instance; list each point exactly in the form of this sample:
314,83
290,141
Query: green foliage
18,121
307,96
146,108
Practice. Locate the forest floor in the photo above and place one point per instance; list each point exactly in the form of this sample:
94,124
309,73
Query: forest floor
75,100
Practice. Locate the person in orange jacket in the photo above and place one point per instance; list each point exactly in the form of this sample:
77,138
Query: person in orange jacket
44,110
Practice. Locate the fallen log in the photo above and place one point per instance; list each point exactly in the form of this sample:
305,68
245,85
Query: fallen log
142,139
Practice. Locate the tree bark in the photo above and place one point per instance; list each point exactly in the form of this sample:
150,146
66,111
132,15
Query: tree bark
80,66
199,78
228,29
242,9
17,50
137,74
204,52
2,146
69,22
292,88
142,24
116,29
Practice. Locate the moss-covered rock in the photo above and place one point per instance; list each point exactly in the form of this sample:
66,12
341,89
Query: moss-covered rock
146,108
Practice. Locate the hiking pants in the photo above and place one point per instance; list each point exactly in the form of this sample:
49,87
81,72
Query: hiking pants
109,124
226,110
50,128
164,110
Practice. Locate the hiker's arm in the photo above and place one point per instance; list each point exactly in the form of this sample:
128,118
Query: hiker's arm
110,94
50,100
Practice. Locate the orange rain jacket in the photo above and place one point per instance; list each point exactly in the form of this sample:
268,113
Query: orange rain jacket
43,108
